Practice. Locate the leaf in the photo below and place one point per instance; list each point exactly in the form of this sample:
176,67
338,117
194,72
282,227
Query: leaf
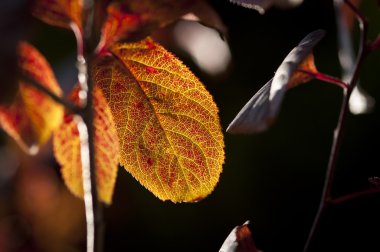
261,110
206,15
239,240
259,5
263,5
286,4
253,117
32,116
62,13
299,77
133,20
168,124
67,149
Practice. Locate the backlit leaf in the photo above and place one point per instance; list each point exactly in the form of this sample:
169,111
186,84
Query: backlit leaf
168,124
62,13
131,20
32,116
67,149
261,110
299,77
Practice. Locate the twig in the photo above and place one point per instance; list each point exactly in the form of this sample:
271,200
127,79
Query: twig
85,124
93,206
87,185
68,105
375,44
355,195
330,173
326,199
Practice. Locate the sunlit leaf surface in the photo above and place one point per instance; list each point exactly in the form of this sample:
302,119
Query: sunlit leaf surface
32,116
168,124
67,150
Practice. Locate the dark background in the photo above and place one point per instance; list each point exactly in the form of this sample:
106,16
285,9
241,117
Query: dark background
274,179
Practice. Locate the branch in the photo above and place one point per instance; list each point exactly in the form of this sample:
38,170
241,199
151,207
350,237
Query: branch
68,105
326,198
330,173
85,125
355,195
375,44
363,47
86,177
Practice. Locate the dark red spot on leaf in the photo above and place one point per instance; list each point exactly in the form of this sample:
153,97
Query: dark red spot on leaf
119,87
140,105
149,162
150,70
68,118
150,45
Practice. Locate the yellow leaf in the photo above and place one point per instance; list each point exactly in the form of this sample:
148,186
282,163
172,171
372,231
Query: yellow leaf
167,122
67,149
32,116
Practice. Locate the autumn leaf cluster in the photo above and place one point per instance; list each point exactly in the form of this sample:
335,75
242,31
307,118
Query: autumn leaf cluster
151,114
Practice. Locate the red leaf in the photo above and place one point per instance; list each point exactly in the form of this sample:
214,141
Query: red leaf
62,13
131,20
32,116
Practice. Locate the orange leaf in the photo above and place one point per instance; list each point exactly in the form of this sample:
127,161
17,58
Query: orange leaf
67,149
136,19
299,77
239,240
32,116
62,13
168,124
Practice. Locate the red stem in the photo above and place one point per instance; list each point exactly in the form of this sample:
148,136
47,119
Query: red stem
355,195
375,44
326,199
325,78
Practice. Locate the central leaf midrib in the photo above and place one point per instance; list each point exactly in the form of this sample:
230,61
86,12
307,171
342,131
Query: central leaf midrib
124,64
